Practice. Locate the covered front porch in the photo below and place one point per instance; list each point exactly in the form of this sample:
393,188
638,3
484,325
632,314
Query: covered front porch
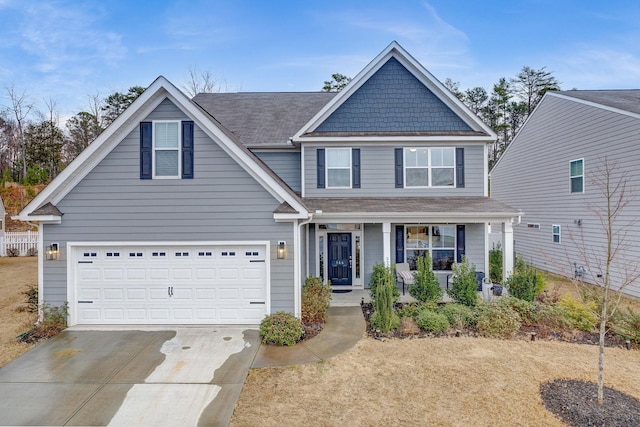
345,238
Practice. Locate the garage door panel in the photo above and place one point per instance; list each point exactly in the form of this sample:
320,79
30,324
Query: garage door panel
138,285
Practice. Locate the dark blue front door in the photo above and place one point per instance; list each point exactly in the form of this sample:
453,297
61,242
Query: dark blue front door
340,258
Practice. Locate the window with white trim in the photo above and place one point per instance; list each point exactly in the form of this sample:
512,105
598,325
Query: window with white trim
555,233
437,240
338,167
166,149
429,167
576,171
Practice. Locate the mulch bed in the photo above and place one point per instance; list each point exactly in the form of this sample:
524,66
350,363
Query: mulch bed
575,402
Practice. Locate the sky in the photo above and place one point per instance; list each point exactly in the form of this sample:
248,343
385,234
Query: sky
67,51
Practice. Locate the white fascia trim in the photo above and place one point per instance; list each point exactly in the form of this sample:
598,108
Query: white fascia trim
281,217
396,139
420,217
160,89
42,219
422,74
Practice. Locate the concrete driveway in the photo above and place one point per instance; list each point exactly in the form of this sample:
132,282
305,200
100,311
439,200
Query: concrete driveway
139,377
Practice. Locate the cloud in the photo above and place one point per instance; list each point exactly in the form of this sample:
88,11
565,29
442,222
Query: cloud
599,68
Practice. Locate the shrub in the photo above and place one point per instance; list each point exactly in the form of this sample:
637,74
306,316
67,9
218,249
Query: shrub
281,328
464,286
550,318
54,320
32,298
460,316
495,264
379,273
579,315
412,310
425,287
526,309
32,251
432,321
408,326
315,300
525,283
497,320
385,317
13,251
628,325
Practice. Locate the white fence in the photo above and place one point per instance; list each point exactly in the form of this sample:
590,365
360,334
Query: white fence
19,243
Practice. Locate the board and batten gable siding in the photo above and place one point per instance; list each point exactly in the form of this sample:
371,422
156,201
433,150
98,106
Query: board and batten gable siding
221,203
533,176
377,172
286,164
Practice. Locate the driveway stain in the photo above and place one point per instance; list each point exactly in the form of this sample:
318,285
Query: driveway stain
67,352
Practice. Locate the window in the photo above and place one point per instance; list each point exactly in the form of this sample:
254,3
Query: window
577,176
166,149
338,167
437,240
429,167
555,232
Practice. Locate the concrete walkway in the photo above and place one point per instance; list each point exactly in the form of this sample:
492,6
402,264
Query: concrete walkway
344,328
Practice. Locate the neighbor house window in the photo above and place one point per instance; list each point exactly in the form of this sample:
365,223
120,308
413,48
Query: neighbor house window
338,167
166,149
429,167
577,176
437,240
555,233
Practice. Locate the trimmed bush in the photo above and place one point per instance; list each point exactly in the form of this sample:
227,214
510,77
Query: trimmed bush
425,286
460,316
13,251
525,283
379,274
464,286
281,328
550,318
385,317
315,300
526,309
413,309
432,321
579,315
497,320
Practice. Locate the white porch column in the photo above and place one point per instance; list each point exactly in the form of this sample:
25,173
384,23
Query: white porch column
386,243
507,249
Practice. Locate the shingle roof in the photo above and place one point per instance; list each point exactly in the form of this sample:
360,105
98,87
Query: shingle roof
263,118
623,99
47,209
416,205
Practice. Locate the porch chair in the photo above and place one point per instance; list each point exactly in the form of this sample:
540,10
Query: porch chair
404,275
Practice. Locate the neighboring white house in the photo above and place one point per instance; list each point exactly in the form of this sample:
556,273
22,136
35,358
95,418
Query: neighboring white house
548,172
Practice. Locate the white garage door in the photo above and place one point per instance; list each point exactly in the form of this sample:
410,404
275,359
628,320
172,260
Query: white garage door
212,284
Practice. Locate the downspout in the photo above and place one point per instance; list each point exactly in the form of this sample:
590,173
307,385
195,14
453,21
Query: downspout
297,266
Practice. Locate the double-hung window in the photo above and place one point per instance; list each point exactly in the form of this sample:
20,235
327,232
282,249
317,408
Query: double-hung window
577,175
429,167
166,149
555,233
437,240
338,167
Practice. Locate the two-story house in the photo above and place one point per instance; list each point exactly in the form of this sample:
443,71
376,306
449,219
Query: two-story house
215,210
552,170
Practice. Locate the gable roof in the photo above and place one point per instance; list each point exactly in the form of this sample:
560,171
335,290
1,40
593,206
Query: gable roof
157,92
459,121
263,119
623,99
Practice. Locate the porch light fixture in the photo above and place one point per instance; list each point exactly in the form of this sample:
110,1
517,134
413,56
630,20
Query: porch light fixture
282,249
52,252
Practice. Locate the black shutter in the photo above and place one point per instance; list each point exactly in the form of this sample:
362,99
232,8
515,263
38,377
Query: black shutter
187,150
399,167
146,150
320,166
460,242
399,244
460,167
355,167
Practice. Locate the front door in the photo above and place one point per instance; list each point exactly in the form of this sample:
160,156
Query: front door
339,258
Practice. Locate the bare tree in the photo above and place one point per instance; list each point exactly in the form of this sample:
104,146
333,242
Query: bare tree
203,82
606,263
20,108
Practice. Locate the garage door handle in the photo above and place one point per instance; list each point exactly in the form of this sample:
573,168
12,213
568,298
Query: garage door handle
85,302
85,262
256,260
257,302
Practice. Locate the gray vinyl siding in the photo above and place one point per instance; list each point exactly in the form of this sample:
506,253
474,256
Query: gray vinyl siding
222,203
286,164
534,176
373,249
312,250
377,173
474,246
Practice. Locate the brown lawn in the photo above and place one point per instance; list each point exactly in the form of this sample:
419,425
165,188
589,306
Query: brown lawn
16,275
